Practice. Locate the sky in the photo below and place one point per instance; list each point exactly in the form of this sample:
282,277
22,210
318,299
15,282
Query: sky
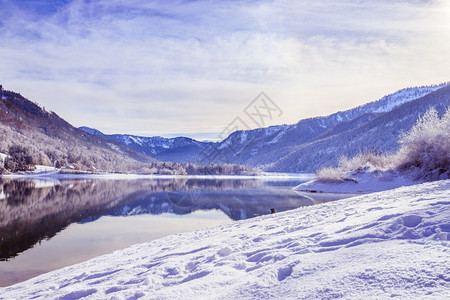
190,68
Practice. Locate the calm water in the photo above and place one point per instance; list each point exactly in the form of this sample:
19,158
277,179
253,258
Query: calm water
46,225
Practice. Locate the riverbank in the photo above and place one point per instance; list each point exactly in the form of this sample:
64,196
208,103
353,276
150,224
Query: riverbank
52,173
359,183
387,244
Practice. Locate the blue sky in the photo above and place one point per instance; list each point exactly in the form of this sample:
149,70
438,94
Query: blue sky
191,67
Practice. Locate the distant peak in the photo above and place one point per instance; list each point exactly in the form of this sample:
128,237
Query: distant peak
90,130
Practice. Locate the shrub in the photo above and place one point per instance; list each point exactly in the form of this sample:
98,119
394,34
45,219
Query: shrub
425,149
368,160
332,175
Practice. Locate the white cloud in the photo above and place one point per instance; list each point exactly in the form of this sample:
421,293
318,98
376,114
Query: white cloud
163,68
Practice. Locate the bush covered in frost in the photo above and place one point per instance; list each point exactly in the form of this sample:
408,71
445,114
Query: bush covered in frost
332,175
425,149
367,160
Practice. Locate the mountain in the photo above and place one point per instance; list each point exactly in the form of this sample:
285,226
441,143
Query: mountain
307,145
379,133
265,147
50,140
179,149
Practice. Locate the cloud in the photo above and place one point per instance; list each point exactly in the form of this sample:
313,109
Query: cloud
162,68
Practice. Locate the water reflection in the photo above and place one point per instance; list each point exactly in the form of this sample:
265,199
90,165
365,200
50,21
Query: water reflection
32,211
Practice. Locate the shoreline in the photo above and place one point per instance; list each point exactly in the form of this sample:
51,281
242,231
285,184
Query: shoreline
363,183
57,175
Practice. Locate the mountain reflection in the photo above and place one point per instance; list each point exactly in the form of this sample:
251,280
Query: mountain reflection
34,210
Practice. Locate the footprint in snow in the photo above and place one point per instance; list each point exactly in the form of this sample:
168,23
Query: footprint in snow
284,273
224,252
78,294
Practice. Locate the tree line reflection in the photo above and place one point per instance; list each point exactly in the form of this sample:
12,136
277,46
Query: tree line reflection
32,211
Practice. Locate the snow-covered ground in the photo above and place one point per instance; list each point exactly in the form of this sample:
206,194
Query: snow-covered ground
389,244
45,169
2,157
360,183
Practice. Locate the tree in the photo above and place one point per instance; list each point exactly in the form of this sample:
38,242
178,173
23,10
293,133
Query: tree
19,159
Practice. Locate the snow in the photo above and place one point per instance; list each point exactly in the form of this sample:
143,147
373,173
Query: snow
135,139
44,169
360,183
392,101
224,144
40,171
273,129
389,244
127,140
277,138
243,137
3,156
115,147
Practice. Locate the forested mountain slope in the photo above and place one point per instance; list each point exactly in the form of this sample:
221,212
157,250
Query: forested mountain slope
53,141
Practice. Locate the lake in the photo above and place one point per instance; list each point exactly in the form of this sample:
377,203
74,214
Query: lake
52,223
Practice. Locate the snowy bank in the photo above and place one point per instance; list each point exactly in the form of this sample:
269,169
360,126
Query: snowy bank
52,173
359,183
389,244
